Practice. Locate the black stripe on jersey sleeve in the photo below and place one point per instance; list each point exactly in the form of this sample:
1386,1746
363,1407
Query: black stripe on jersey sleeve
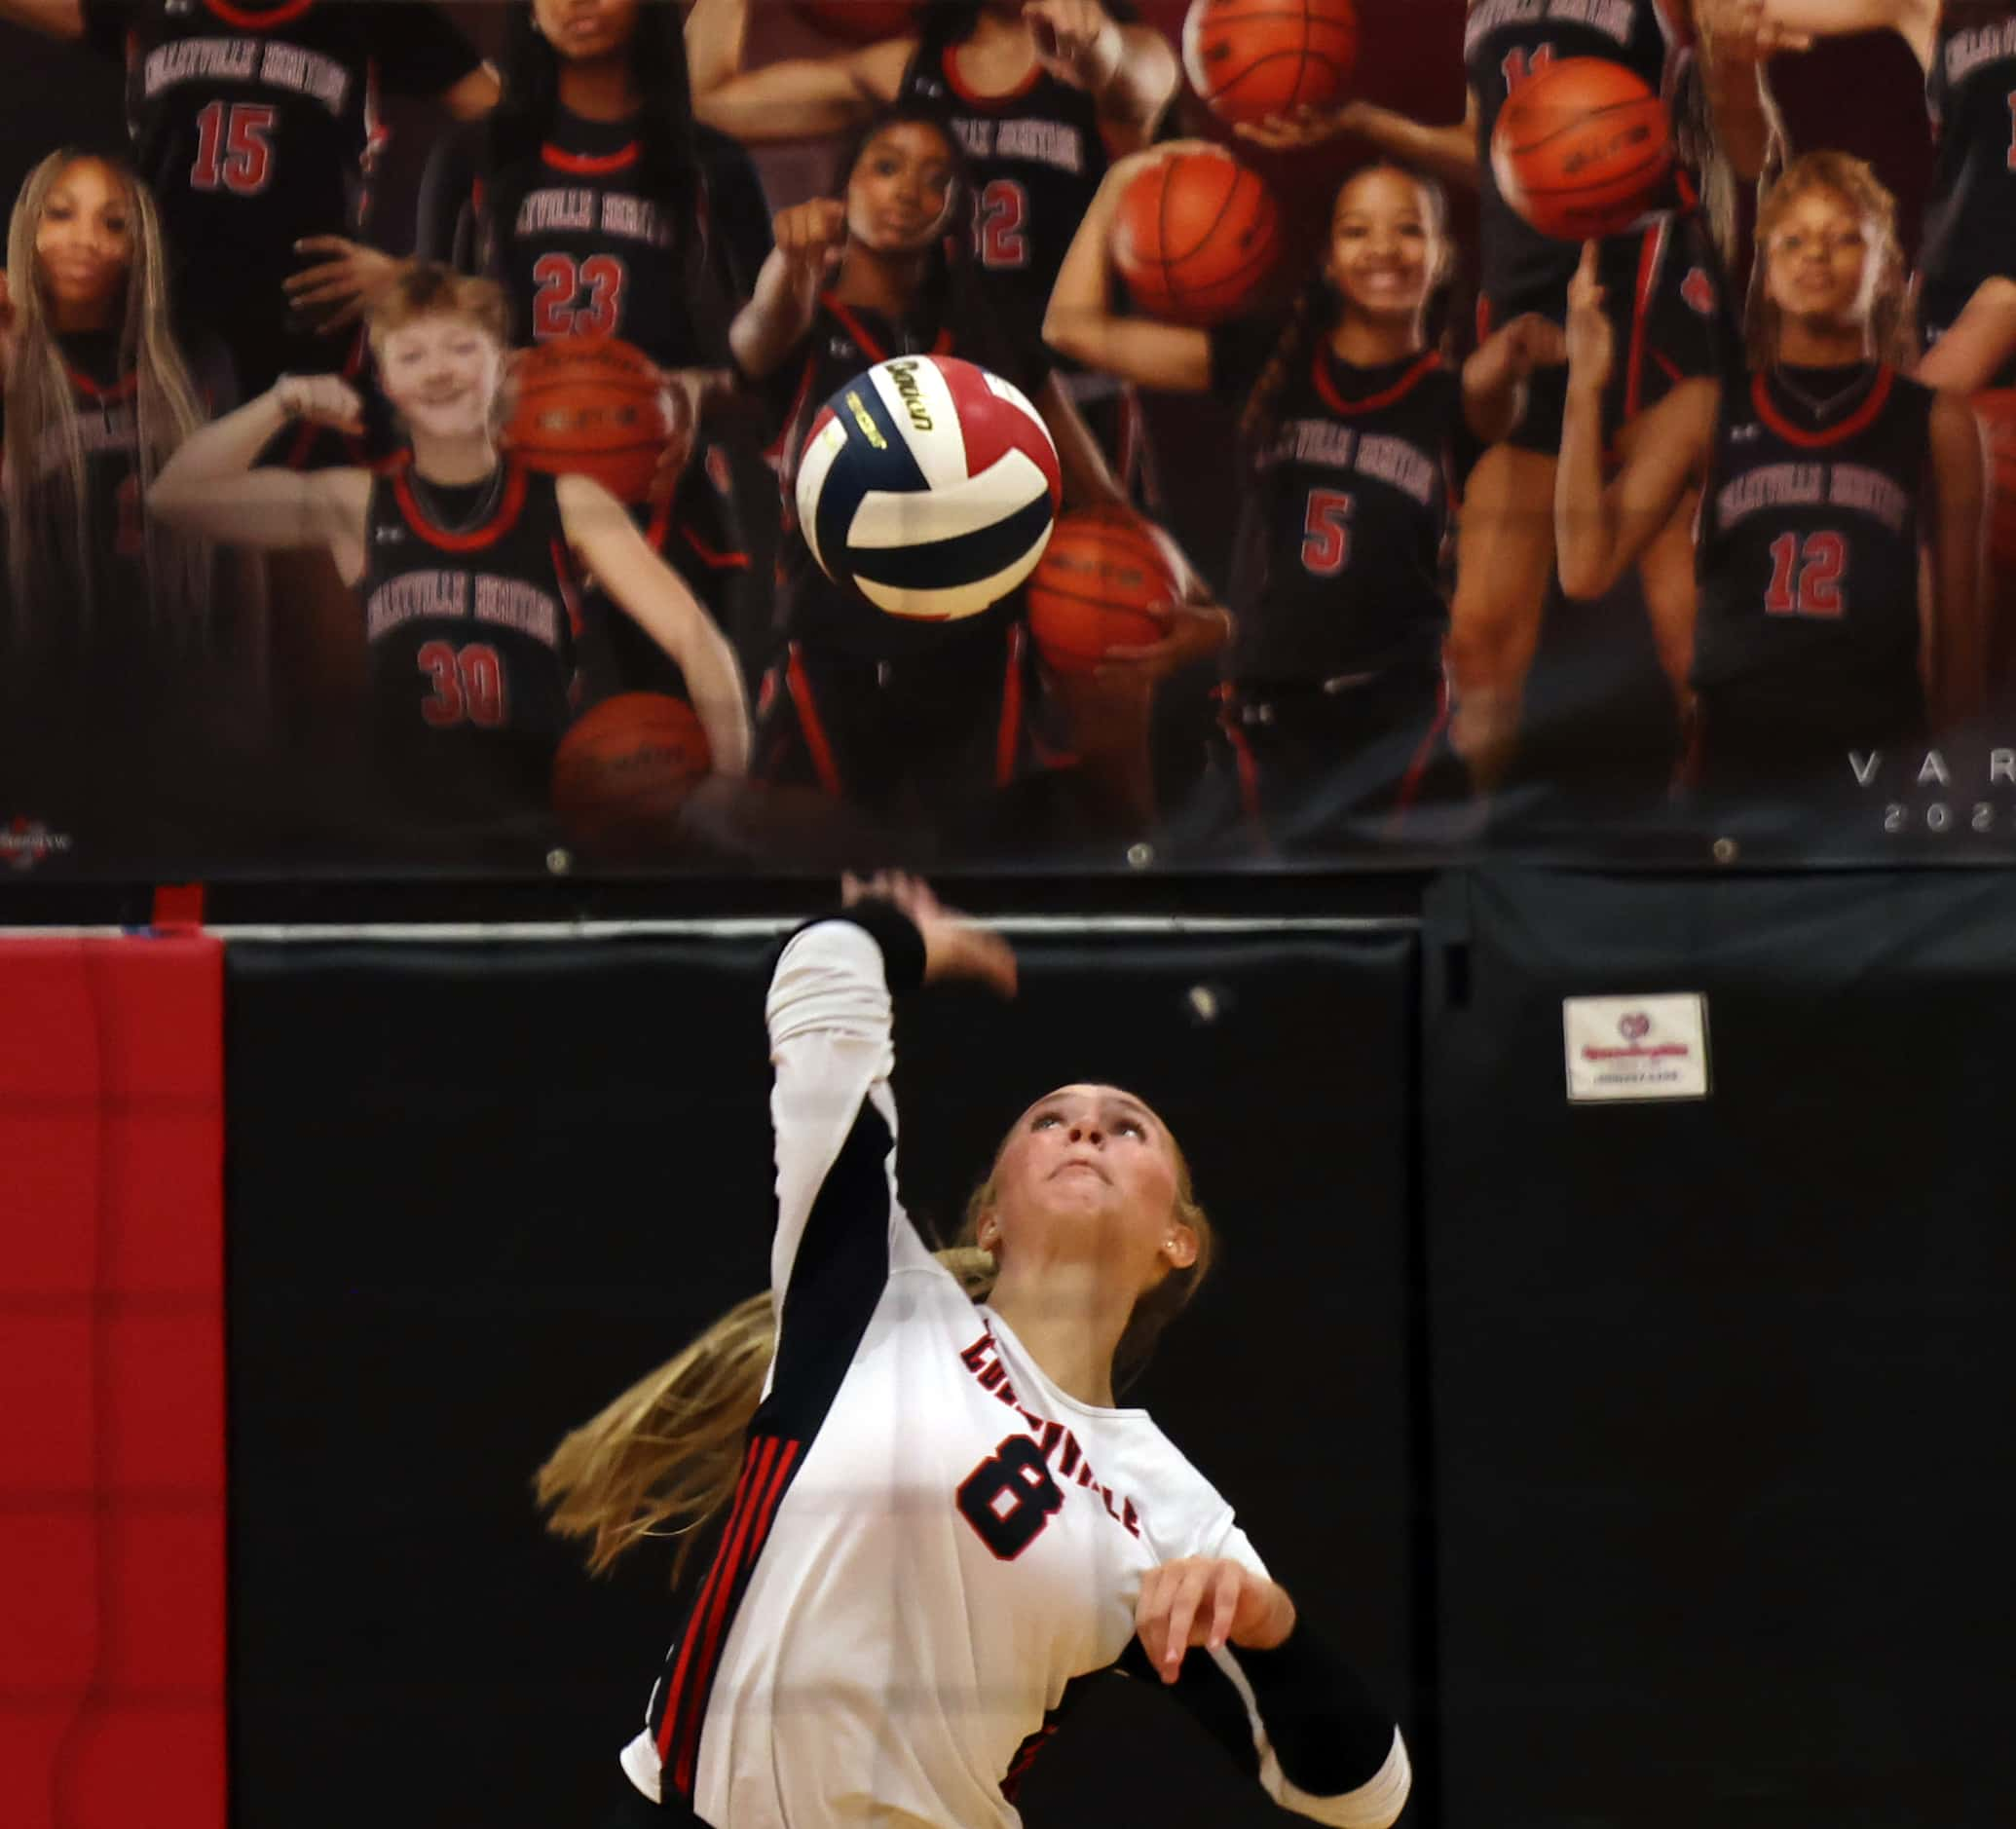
836,1278
893,930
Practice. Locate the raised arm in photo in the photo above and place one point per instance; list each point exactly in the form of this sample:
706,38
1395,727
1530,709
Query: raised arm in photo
809,238
799,98
1447,152
58,19
212,486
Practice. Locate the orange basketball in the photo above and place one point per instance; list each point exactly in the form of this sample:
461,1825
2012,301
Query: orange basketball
1196,235
861,21
1997,411
1251,58
1582,148
1102,582
592,406
624,767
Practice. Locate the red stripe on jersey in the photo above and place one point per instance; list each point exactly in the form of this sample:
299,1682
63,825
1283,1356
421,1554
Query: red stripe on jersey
570,593
589,165
775,455
949,59
869,345
1372,402
759,1524
123,389
1857,421
675,1689
1651,250
1005,738
1411,782
488,535
799,686
263,19
717,558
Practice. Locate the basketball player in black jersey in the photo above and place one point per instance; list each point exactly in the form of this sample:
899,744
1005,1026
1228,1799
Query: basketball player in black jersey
1355,438
1824,476
925,723
254,121
585,198
464,564
1665,296
1967,259
1041,94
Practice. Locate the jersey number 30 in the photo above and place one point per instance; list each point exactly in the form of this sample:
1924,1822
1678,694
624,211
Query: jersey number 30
1009,1499
468,685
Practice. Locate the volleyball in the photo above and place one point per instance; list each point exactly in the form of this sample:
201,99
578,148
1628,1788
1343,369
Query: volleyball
929,485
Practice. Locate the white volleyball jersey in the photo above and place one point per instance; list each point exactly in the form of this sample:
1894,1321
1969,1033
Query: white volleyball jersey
930,1540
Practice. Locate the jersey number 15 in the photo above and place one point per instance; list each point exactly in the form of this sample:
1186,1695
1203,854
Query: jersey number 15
234,147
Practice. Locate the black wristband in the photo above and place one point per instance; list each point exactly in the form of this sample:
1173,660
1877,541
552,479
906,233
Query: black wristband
1326,1730
893,931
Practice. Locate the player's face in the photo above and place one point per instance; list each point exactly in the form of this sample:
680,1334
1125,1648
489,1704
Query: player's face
443,372
1384,250
1821,261
1090,1173
83,243
900,191
586,29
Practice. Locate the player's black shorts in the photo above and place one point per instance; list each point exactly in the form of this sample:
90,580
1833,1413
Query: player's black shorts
1940,303
634,1810
1324,766
933,734
1750,749
1664,298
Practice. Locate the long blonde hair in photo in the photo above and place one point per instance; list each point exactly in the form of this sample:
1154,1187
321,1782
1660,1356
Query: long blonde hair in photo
663,1458
52,566
1855,183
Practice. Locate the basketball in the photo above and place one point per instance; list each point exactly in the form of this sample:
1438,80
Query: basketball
1102,582
1196,235
929,485
1582,149
862,21
624,767
592,406
1251,58
1997,411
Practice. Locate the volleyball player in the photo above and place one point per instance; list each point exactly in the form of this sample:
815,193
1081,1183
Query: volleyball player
1042,94
924,721
463,563
584,196
940,1522
1355,438
1824,476
1662,281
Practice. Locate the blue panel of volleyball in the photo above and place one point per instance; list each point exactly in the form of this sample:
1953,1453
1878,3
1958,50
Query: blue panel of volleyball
929,485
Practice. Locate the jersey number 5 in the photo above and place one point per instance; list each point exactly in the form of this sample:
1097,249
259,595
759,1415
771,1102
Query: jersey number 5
468,685
1818,566
1327,532
234,147
1009,1499
597,282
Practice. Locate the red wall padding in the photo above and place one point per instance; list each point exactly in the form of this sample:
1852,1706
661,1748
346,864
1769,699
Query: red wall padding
111,1384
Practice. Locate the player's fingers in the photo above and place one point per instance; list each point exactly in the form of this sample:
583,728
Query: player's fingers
320,274
324,244
323,294
343,319
1182,1616
1225,1598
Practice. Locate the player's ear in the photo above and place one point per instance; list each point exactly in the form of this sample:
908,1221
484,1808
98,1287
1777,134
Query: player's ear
1180,1245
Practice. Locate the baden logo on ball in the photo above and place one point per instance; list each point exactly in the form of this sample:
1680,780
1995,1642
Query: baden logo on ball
930,486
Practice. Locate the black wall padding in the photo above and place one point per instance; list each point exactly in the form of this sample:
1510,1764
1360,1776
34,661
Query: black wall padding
476,1191
1721,1390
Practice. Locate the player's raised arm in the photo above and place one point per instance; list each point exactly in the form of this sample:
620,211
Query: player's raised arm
656,598
1082,323
1130,71
811,238
1600,529
212,483
799,98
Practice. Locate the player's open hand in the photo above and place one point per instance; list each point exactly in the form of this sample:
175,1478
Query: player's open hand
1592,342
321,401
1075,40
344,284
1196,632
954,945
1298,127
1211,1602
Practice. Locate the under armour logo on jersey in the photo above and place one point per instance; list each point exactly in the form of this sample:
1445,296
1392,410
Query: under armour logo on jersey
384,536
1742,435
843,350
1698,290
931,87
